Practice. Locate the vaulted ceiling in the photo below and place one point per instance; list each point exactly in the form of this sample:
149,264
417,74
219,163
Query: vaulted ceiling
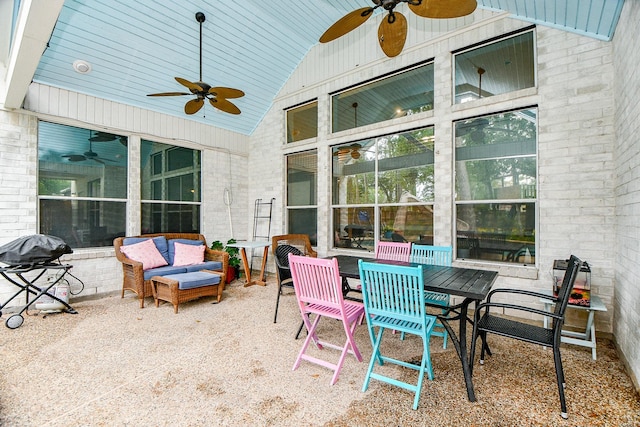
135,48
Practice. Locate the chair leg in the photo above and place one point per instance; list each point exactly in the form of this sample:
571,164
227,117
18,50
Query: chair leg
375,355
560,378
350,343
425,364
311,335
472,353
299,330
275,316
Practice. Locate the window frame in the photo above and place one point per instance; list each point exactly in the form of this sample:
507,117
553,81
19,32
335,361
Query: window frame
93,219
375,81
313,103
467,243
291,208
493,41
169,208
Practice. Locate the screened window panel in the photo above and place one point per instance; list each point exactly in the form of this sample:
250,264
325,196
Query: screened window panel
302,182
302,122
82,184
496,187
402,94
383,189
499,67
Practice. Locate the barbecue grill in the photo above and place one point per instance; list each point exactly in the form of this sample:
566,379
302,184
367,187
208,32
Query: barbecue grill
40,254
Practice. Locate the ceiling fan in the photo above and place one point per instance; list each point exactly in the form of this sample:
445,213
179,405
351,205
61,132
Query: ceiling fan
87,155
106,137
392,31
353,150
217,96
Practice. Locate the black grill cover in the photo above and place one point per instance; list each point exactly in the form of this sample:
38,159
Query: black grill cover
34,249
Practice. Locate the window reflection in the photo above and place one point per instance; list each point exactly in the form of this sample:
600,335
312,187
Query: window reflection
383,189
302,211
170,188
496,187
403,94
503,66
82,184
302,122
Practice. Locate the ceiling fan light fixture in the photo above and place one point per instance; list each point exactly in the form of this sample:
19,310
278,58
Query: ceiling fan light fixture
81,66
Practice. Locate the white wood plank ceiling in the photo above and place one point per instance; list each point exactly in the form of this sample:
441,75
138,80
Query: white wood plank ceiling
137,48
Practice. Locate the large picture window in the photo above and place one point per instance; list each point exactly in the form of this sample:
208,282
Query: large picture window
402,94
495,67
170,188
302,199
82,184
383,189
496,186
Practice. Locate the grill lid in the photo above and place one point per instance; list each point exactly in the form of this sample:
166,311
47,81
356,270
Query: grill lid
33,249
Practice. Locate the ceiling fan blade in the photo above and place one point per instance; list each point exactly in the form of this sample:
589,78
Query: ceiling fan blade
193,106
167,94
347,23
392,35
444,9
75,157
224,105
191,86
226,92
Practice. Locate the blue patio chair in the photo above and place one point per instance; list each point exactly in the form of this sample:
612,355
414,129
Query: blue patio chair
393,299
434,255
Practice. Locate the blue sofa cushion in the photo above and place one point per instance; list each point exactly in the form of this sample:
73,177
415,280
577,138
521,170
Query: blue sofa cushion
172,247
194,279
160,242
207,265
163,271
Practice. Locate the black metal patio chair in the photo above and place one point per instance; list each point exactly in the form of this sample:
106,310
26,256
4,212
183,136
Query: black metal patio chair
487,323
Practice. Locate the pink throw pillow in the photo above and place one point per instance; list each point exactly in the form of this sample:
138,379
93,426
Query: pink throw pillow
188,254
145,252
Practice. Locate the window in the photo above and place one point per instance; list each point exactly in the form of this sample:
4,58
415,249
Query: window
170,181
495,181
82,184
383,188
404,93
496,67
302,209
302,122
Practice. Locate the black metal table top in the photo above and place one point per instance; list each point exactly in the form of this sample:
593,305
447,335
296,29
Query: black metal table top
465,282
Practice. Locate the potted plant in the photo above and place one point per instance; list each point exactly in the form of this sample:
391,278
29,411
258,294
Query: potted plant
234,260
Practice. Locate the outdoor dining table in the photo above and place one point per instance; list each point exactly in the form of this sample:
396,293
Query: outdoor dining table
472,285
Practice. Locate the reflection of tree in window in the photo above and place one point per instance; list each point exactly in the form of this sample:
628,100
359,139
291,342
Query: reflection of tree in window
496,162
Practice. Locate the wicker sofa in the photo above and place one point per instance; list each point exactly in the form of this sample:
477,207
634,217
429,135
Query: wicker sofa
139,281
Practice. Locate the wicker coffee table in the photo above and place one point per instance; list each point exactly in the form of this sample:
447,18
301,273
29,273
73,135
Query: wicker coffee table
183,287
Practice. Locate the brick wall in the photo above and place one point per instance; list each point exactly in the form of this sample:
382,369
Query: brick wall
575,103
626,304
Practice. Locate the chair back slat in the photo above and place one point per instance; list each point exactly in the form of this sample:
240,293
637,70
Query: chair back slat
394,251
393,290
316,280
570,275
434,255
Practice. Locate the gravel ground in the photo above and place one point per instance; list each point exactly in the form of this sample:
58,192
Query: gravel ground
228,364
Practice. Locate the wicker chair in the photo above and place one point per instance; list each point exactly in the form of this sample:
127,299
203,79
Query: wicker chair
133,275
299,242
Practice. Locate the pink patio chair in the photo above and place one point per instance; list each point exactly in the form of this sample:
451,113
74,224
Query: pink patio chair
318,289
394,251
